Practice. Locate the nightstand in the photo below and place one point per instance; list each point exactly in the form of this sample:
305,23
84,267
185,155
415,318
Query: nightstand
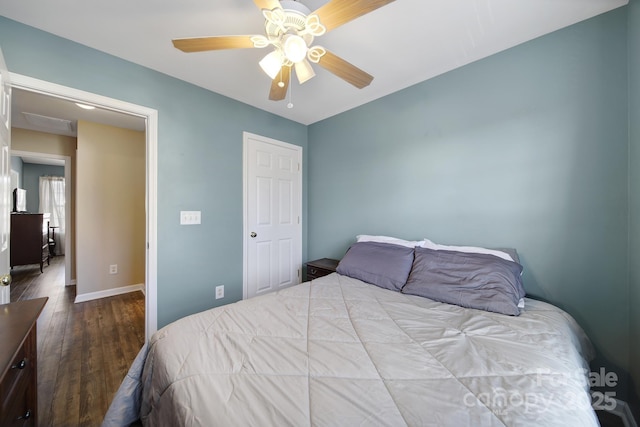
321,267
18,362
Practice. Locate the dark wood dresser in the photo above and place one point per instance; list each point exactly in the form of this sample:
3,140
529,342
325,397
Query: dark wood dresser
321,267
29,240
18,362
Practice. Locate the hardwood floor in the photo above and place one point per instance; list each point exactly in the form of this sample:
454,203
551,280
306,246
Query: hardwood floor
84,350
608,419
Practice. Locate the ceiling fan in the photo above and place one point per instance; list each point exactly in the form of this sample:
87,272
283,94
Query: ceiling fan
290,28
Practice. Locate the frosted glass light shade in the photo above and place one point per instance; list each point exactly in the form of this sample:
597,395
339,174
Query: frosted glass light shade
304,71
271,64
295,48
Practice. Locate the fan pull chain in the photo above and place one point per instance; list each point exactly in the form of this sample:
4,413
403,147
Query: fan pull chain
290,104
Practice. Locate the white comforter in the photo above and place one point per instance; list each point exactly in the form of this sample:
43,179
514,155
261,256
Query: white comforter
340,352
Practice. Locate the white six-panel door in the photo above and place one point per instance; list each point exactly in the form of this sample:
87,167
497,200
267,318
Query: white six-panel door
272,215
5,189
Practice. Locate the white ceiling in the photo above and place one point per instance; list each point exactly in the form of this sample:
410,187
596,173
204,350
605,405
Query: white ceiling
400,44
42,160
43,106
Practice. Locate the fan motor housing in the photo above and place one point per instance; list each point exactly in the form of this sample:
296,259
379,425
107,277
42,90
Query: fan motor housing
294,22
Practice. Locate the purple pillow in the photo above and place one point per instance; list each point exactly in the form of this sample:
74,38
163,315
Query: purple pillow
381,264
472,280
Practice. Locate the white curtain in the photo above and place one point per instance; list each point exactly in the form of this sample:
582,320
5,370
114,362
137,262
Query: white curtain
52,202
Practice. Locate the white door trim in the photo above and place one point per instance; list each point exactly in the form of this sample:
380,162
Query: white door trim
64,92
245,194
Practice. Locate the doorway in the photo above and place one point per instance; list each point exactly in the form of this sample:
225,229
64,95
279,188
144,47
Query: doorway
272,174
151,118
65,162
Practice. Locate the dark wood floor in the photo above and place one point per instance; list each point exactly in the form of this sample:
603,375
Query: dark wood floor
608,419
84,350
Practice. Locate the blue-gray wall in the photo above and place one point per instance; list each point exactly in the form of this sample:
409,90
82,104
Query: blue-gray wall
634,191
16,165
31,173
199,160
525,149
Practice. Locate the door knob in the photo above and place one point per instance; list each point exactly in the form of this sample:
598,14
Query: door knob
253,234
5,280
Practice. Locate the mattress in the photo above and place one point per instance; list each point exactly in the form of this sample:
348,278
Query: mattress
338,351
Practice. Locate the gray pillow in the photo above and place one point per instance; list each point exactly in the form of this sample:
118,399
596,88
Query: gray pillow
381,264
512,253
472,280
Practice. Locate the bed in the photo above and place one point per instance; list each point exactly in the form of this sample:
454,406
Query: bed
341,351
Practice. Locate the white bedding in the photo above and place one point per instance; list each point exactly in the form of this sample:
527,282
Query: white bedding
340,352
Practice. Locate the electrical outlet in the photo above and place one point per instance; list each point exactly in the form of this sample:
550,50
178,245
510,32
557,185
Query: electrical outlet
113,269
219,291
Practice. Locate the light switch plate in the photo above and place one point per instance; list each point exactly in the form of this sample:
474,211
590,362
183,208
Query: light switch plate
189,217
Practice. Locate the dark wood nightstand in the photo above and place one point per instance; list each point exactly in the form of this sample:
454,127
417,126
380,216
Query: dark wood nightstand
321,267
18,362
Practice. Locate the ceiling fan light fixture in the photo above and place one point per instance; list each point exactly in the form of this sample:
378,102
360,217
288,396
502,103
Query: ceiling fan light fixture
304,71
295,48
271,64
290,29
288,5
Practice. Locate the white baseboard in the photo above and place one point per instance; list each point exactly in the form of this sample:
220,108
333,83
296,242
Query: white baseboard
109,293
71,283
624,412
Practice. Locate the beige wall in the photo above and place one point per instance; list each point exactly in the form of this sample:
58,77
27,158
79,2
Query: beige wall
110,208
47,143
39,142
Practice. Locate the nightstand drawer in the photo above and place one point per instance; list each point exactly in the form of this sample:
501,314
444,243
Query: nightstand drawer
20,372
18,411
315,272
321,267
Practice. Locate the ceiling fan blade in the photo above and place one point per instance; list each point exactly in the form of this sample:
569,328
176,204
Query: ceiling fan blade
278,93
267,4
201,44
338,12
346,71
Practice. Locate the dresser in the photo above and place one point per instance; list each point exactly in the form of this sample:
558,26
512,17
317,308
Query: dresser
29,239
321,267
18,362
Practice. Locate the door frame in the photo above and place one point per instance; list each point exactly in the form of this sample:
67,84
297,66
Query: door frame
151,200
245,202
